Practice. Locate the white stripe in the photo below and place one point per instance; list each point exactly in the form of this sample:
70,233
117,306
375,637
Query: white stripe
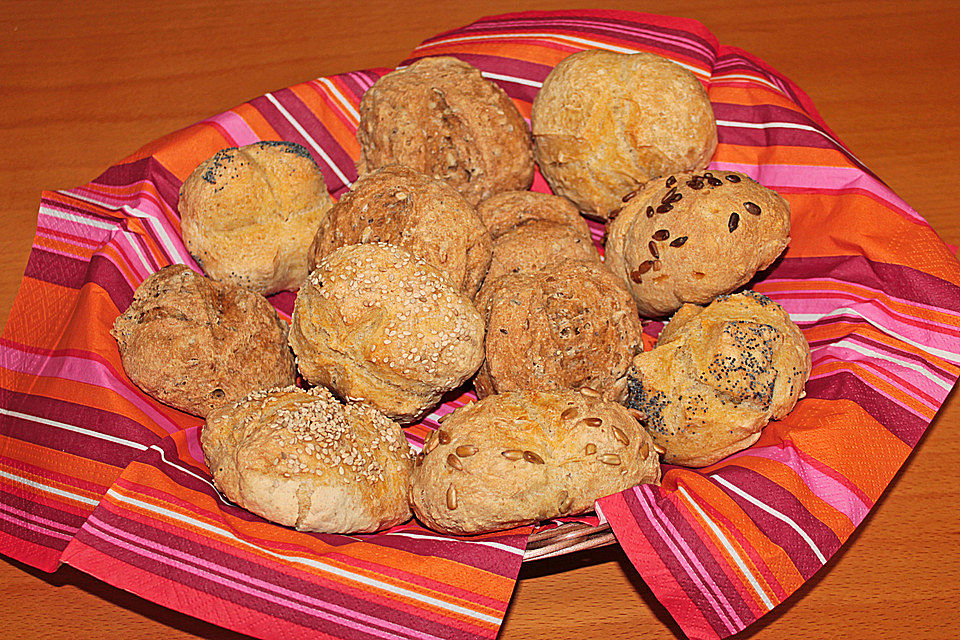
776,125
949,356
486,543
74,428
593,44
155,225
309,138
340,98
776,514
744,76
848,344
726,545
49,489
316,564
515,80
73,217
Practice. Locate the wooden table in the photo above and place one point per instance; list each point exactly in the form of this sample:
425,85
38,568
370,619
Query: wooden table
84,84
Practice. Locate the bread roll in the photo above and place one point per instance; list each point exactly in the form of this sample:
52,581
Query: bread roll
196,344
249,214
441,117
375,324
521,457
605,123
717,376
693,236
302,459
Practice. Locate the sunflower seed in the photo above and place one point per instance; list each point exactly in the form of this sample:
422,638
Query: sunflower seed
512,454
621,436
466,450
565,502
590,449
593,422
589,392
451,497
443,437
569,413
644,451
454,462
660,450
611,459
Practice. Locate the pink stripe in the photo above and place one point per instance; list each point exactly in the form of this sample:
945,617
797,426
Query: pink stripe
235,127
811,177
253,586
51,524
87,371
35,528
823,486
895,374
696,575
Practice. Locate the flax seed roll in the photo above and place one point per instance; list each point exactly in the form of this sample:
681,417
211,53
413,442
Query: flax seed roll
605,123
525,456
690,237
377,325
304,460
717,376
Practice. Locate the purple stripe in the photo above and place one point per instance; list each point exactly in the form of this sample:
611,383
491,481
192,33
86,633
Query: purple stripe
150,169
773,137
736,60
844,385
45,515
489,559
670,561
898,281
762,114
72,442
56,269
780,533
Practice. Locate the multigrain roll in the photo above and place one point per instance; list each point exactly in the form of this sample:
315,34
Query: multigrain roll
690,237
196,344
605,123
406,208
442,117
249,214
568,326
717,376
522,457
304,460
377,325
533,230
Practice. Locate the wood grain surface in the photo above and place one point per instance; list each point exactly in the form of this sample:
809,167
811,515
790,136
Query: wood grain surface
84,84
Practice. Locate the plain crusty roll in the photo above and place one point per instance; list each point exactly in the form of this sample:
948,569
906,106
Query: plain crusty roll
197,344
522,457
605,123
302,459
409,209
691,237
249,214
442,117
378,325
717,376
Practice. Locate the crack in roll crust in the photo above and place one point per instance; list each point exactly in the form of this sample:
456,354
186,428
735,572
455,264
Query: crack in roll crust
521,457
717,376
567,326
197,344
248,214
409,209
304,460
692,236
605,123
442,117
378,325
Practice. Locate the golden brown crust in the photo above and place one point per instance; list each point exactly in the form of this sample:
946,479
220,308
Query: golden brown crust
510,210
196,344
704,235
568,326
408,209
521,457
304,460
717,376
605,123
536,245
248,214
442,117
377,325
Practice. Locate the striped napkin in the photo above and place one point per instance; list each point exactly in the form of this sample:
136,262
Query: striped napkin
98,475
